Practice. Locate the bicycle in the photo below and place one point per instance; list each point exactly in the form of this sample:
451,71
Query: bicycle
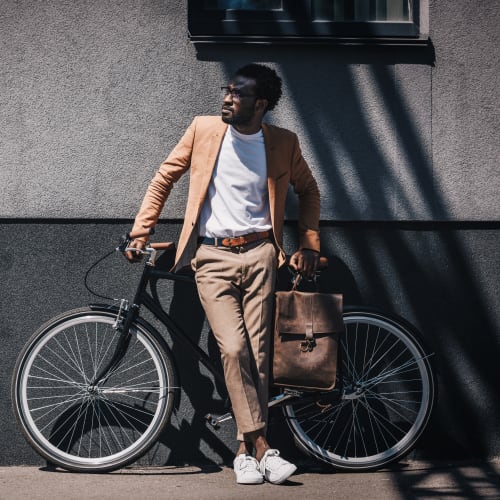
94,387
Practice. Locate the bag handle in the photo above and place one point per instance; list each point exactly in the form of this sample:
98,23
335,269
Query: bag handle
297,279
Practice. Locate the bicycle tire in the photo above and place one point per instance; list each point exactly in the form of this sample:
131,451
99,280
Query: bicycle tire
388,392
83,428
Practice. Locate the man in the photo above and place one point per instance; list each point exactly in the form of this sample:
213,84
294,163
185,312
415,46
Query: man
240,170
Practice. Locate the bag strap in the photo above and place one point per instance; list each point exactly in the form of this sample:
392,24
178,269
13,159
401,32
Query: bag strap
297,278
309,319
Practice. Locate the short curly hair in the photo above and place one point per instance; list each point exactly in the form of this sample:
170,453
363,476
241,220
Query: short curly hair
268,82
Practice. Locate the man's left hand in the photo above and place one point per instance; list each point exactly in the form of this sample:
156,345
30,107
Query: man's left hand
305,262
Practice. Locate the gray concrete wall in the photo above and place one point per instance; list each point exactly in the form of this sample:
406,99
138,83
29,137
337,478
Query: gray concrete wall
404,143
443,280
95,94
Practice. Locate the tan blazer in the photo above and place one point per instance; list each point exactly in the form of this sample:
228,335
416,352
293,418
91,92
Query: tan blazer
198,150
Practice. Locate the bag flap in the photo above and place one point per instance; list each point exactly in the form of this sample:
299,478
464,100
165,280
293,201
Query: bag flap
309,313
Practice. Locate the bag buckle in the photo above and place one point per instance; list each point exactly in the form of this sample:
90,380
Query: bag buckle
308,345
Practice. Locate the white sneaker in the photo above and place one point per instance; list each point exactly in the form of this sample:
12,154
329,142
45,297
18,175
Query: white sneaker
247,470
275,469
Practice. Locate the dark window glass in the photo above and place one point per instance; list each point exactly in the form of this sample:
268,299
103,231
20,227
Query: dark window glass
361,10
243,4
285,21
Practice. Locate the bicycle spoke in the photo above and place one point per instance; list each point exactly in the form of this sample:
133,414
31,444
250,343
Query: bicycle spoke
376,430
53,407
382,419
84,426
70,357
366,366
102,434
52,365
153,389
105,354
376,357
70,383
91,352
396,406
73,356
125,413
408,367
79,351
386,399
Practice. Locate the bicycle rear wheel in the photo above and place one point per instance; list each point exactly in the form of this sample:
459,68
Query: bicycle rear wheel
388,395
88,428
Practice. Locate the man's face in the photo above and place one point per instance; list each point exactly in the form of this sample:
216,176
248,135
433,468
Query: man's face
238,106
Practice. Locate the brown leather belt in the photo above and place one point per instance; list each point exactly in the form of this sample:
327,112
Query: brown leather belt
237,241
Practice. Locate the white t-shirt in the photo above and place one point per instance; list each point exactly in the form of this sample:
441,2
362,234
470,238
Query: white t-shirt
237,202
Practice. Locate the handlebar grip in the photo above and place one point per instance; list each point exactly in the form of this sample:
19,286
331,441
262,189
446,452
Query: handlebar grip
141,234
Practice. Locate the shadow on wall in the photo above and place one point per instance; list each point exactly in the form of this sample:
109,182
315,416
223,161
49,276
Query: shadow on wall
422,270
432,264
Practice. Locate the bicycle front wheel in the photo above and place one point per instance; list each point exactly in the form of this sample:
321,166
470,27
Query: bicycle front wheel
86,428
387,398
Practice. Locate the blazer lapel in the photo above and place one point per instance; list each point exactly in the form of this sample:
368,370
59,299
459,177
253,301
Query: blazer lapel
272,167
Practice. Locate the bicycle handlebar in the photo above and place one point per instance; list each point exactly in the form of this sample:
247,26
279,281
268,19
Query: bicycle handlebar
167,245
322,264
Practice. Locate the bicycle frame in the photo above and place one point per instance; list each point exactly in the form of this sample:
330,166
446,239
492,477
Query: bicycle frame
385,397
143,298
126,315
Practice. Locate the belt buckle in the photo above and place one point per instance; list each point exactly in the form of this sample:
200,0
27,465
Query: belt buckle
233,242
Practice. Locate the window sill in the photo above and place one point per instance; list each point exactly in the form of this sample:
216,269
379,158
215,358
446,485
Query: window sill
421,41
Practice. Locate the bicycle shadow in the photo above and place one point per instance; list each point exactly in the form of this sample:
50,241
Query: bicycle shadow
191,432
169,470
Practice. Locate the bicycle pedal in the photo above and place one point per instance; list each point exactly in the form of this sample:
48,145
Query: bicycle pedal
215,421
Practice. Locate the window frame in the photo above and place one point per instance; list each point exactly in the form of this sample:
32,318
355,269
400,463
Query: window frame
294,24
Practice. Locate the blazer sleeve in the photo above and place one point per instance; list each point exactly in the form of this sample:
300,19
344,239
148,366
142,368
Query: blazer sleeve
306,188
169,172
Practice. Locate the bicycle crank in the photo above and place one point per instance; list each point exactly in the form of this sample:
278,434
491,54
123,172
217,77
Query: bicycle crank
215,421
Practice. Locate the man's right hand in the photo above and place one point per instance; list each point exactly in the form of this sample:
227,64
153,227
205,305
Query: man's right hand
133,256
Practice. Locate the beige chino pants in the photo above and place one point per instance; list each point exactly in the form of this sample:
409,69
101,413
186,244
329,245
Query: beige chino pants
236,289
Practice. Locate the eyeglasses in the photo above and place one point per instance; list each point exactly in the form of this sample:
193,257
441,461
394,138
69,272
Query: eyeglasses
235,93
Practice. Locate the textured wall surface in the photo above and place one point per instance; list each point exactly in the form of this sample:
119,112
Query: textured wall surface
444,281
403,141
95,94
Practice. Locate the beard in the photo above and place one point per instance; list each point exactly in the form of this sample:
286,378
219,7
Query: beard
243,117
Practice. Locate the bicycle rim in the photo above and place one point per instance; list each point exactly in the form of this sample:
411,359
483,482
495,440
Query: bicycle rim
388,394
85,428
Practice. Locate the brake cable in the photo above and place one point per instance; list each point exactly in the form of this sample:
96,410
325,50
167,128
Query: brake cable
87,286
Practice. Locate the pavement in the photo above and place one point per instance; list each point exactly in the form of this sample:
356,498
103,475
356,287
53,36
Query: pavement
406,480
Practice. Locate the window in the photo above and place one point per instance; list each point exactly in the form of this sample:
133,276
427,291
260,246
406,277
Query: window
285,21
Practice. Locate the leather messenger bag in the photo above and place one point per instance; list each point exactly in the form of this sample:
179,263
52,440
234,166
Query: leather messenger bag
306,339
